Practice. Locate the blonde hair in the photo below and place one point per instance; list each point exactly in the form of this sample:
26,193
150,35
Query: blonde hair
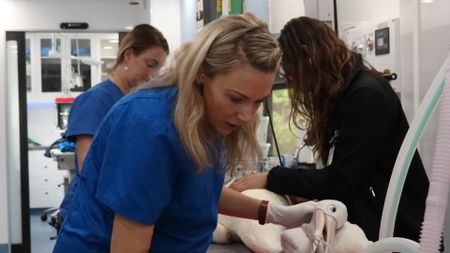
221,47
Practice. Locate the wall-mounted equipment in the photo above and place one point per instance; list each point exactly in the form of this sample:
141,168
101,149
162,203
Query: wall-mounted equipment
382,41
63,105
369,44
74,25
379,44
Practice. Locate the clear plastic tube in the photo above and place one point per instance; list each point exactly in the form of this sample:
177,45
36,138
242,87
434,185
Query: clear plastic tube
393,244
440,179
406,153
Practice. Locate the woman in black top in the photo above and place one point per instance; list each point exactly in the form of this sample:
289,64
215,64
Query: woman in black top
355,122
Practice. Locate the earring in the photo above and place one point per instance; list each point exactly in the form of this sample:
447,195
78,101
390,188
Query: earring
199,87
126,68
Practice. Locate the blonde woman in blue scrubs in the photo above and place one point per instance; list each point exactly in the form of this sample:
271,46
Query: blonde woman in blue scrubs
152,180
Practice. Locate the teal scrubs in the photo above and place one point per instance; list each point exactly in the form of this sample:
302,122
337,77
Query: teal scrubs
138,168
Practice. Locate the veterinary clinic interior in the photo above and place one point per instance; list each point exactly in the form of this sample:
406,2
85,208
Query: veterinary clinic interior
52,51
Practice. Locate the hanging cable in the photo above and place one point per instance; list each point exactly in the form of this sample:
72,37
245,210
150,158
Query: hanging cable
266,105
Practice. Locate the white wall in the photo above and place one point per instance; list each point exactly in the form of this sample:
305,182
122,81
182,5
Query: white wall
40,15
366,10
45,15
435,46
165,15
4,238
188,22
3,173
144,11
281,11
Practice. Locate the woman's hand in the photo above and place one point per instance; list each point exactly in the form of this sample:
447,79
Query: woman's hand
253,181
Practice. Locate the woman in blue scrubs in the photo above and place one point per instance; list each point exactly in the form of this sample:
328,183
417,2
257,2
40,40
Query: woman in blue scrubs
152,179
141,53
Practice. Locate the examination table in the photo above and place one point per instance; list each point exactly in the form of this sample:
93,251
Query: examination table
227,248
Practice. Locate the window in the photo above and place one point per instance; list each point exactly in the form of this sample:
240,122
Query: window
50,65
109,49
281,109
80,72
28,63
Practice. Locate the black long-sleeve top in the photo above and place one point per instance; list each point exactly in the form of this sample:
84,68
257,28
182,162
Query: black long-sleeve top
371,125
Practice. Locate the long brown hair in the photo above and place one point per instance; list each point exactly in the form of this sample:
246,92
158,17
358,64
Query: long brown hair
317,64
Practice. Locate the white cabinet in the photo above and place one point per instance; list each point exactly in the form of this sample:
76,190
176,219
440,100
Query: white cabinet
65,64
46,181
58,64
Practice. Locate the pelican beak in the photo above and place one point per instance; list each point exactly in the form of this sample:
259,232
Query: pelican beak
318,225
324,231
319,235
330,227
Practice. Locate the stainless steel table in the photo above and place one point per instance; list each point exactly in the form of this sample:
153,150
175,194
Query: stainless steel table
228,248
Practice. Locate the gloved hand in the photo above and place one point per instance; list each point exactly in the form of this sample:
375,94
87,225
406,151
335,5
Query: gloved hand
290,216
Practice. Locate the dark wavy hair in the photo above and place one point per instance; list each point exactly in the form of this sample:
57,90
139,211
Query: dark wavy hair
317,64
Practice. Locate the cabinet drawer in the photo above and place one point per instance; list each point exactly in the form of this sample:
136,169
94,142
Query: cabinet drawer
44,198
40,165
46,181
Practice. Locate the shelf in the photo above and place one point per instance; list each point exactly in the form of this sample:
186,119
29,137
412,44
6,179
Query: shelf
36,148
41,103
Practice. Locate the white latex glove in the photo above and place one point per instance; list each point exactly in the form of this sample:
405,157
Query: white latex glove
290,216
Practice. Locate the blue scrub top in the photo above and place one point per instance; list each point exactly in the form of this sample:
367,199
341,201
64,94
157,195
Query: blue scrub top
89,109
86,114
137,167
